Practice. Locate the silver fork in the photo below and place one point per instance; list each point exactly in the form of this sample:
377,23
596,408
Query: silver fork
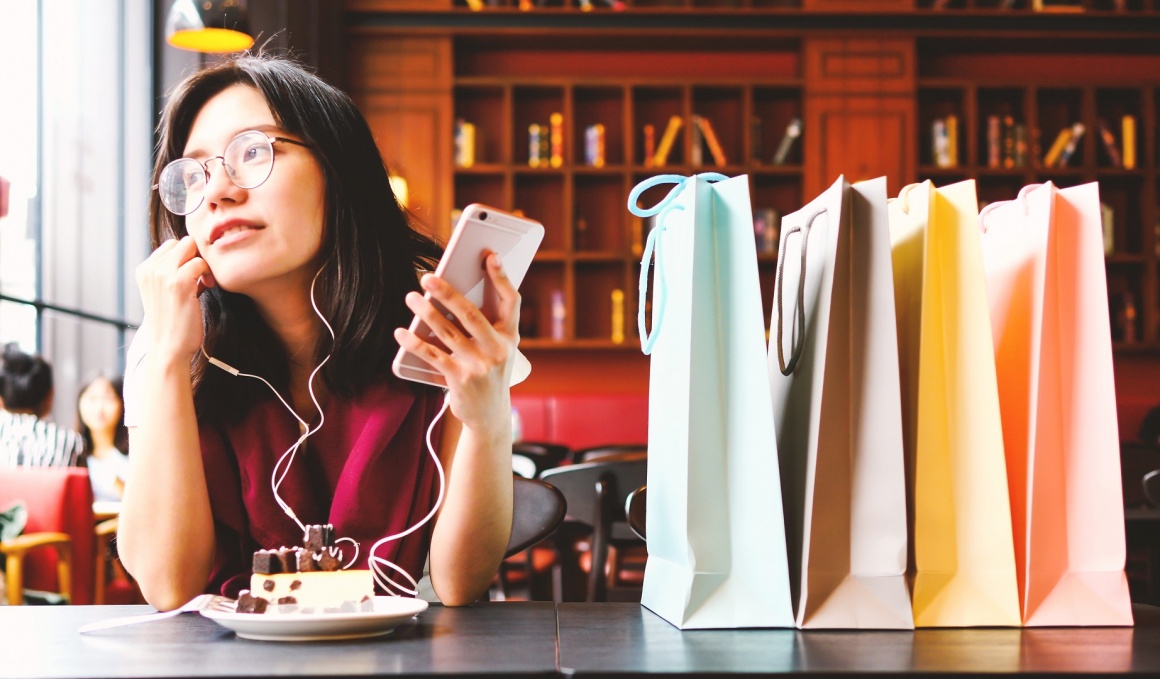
199,603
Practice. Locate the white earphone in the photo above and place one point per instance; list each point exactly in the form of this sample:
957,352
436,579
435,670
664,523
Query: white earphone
377,564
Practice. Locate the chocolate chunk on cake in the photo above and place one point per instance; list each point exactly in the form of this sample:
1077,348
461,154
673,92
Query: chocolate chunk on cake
307,579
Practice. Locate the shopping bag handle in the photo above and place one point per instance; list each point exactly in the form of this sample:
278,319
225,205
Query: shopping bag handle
1022,198
800,318
653,244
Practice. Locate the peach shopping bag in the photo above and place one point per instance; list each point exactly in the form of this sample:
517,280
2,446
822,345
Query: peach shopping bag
1043,254
833,367
964,562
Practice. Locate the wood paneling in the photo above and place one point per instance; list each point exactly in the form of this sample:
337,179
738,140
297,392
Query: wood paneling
859,66
403,87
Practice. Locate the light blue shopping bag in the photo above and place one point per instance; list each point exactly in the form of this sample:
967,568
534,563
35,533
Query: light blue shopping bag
716,537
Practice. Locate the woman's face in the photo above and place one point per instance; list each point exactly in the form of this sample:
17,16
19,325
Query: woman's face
261,239
100,405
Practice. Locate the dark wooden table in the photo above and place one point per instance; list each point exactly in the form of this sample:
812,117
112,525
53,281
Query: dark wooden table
511,638
616,639
543,639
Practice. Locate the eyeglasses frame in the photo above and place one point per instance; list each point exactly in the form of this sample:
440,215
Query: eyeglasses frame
229,175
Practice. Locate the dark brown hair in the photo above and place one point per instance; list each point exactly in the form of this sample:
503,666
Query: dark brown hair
370,248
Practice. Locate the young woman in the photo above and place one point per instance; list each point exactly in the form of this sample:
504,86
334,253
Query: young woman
274,226
101,415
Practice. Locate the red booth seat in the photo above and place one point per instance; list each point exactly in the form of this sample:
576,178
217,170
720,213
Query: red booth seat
583,419
59,500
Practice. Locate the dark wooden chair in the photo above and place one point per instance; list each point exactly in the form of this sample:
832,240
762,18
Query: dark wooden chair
541,456
1151,483
538,510
595,541
613,450
634,510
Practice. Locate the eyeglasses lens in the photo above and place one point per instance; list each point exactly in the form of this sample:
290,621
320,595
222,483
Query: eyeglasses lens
247,161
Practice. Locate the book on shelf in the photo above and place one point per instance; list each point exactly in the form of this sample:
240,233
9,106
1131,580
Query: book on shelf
696,144
537,136
650,145
793,132
1057,146
1071,6
1128,141
594,145
1109,142
665,145
945,141
1108,222
1068,153
464,143
994,141
556,139
1008,142
711,141
1020,149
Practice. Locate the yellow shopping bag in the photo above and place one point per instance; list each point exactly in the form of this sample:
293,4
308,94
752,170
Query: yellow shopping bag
964,563
1044,260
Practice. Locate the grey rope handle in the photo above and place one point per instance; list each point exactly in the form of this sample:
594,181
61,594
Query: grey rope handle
800,319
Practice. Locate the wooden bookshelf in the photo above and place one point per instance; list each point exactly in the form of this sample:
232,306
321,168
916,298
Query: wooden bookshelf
867,79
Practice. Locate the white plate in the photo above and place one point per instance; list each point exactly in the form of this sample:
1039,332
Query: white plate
390,611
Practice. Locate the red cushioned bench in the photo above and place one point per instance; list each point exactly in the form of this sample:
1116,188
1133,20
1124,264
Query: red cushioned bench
584,419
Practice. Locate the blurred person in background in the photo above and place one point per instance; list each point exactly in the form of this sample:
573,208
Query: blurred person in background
27,438
101,418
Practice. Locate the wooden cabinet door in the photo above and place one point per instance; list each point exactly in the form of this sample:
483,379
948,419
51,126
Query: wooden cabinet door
859,111
860,137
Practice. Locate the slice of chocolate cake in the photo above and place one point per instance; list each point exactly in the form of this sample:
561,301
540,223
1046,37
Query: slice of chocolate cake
308,579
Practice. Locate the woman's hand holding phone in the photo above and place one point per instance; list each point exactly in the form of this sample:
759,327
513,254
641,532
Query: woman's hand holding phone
474,354
170,281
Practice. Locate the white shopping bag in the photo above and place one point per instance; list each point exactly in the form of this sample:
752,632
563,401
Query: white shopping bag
833,366
716,537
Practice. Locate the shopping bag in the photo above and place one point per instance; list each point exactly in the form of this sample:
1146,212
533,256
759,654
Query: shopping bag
1044,260
716,537
833,366
964,560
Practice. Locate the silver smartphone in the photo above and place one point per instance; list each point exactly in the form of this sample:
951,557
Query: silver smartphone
480,229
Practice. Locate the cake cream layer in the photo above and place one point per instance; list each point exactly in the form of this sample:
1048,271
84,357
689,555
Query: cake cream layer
317,589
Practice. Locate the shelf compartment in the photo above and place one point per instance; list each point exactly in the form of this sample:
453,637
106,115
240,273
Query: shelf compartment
1126,305
489,189
996,188
486,107
599,214
542,279
655,106
541,197
593,300
1122,194
723,109
773,109
534,105
1112,105
604,106
935,104
1058,110
1000,110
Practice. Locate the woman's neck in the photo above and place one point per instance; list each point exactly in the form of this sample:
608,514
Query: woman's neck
103,442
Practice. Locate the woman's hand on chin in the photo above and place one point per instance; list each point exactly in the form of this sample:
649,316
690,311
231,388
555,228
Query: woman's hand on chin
170,281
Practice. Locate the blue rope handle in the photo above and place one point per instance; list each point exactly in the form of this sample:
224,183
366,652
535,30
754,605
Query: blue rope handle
653,244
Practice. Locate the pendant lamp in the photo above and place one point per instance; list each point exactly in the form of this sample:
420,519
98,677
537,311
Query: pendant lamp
217,26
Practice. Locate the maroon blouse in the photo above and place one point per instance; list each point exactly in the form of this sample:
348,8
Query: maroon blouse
367,471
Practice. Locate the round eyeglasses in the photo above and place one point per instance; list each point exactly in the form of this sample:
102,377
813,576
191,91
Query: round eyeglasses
248,161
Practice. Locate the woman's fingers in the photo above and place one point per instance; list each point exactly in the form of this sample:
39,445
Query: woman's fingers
508,309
